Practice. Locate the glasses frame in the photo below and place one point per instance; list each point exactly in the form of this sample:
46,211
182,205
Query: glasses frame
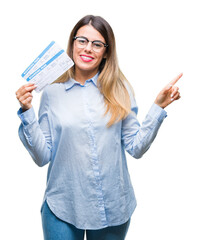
95,41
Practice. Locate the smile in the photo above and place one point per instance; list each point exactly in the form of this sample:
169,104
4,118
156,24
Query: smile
86,58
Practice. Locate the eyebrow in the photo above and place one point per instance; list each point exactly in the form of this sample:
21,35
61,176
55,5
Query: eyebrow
90,40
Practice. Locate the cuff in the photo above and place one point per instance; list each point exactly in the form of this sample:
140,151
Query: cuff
157,112
26,117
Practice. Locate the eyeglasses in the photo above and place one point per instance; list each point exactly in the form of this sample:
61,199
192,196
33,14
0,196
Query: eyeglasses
82,42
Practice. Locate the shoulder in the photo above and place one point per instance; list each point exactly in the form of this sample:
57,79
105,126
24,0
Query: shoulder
53,90
129,88
51,93
131,93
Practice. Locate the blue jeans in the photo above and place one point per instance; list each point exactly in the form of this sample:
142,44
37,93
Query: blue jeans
56,229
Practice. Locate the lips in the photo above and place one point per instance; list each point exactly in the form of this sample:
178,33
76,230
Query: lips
86,58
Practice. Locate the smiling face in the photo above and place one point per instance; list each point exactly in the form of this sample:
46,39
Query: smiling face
86,60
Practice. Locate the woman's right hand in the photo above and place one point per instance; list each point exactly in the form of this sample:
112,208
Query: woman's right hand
24,95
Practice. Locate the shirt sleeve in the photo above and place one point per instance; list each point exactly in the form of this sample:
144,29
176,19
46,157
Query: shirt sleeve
35,134
138,138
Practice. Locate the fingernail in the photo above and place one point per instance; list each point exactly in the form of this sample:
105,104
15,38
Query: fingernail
172,95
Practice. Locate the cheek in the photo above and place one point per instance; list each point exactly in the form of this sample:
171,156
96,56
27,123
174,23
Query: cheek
100,58
74,54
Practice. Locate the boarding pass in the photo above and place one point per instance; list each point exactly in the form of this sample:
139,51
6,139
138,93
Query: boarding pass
51,63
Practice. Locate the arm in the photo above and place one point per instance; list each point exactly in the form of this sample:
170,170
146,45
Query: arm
36,135
136,138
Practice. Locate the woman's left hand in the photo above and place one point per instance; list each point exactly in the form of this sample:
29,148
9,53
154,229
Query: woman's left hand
169,94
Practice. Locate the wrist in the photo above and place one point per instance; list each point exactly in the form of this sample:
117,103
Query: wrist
24,109
160,105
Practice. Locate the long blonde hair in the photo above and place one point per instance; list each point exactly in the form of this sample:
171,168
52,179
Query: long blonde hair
111,81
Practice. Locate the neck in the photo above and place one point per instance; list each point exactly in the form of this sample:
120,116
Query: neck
81,77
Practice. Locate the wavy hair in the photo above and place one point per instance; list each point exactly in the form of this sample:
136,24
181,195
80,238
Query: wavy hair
111,81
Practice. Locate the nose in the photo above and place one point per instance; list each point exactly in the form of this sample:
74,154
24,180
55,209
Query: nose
88,47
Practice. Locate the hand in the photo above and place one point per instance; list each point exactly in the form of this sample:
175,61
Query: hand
169,94
24,95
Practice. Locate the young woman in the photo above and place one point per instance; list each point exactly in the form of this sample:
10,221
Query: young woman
87,120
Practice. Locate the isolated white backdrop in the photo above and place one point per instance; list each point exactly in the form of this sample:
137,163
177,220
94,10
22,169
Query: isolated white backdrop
156,40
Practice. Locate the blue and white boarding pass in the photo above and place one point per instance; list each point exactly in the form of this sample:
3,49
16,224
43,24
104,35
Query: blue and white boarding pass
51,63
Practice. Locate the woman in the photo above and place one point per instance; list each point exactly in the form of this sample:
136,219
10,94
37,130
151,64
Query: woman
87,119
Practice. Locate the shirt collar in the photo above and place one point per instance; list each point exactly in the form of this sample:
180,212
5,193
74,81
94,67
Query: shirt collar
71,82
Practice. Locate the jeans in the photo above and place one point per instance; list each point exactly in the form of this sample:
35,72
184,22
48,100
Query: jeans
56,229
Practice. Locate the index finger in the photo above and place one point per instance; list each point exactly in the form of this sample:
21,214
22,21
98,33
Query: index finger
176,79
26,88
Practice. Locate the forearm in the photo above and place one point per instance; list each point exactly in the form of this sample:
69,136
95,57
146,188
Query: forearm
139,138
34,139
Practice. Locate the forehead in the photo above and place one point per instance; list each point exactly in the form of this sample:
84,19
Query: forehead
90,32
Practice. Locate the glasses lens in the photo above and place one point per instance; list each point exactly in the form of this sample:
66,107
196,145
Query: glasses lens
97,46
81,42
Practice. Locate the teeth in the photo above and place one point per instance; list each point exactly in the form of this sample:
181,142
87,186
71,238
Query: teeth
88,58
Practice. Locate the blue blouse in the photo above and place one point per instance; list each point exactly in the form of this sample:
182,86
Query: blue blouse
88,184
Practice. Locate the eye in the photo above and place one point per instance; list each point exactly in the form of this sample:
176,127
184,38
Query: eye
82,41
97,44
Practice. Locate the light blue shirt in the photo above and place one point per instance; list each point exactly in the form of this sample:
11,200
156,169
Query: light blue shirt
88,184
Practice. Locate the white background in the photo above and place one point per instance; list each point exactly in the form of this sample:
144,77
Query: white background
156,40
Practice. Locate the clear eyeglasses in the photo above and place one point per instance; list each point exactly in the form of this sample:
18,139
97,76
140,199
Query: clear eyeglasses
82,42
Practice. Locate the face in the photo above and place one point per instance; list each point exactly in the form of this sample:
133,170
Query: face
87,61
